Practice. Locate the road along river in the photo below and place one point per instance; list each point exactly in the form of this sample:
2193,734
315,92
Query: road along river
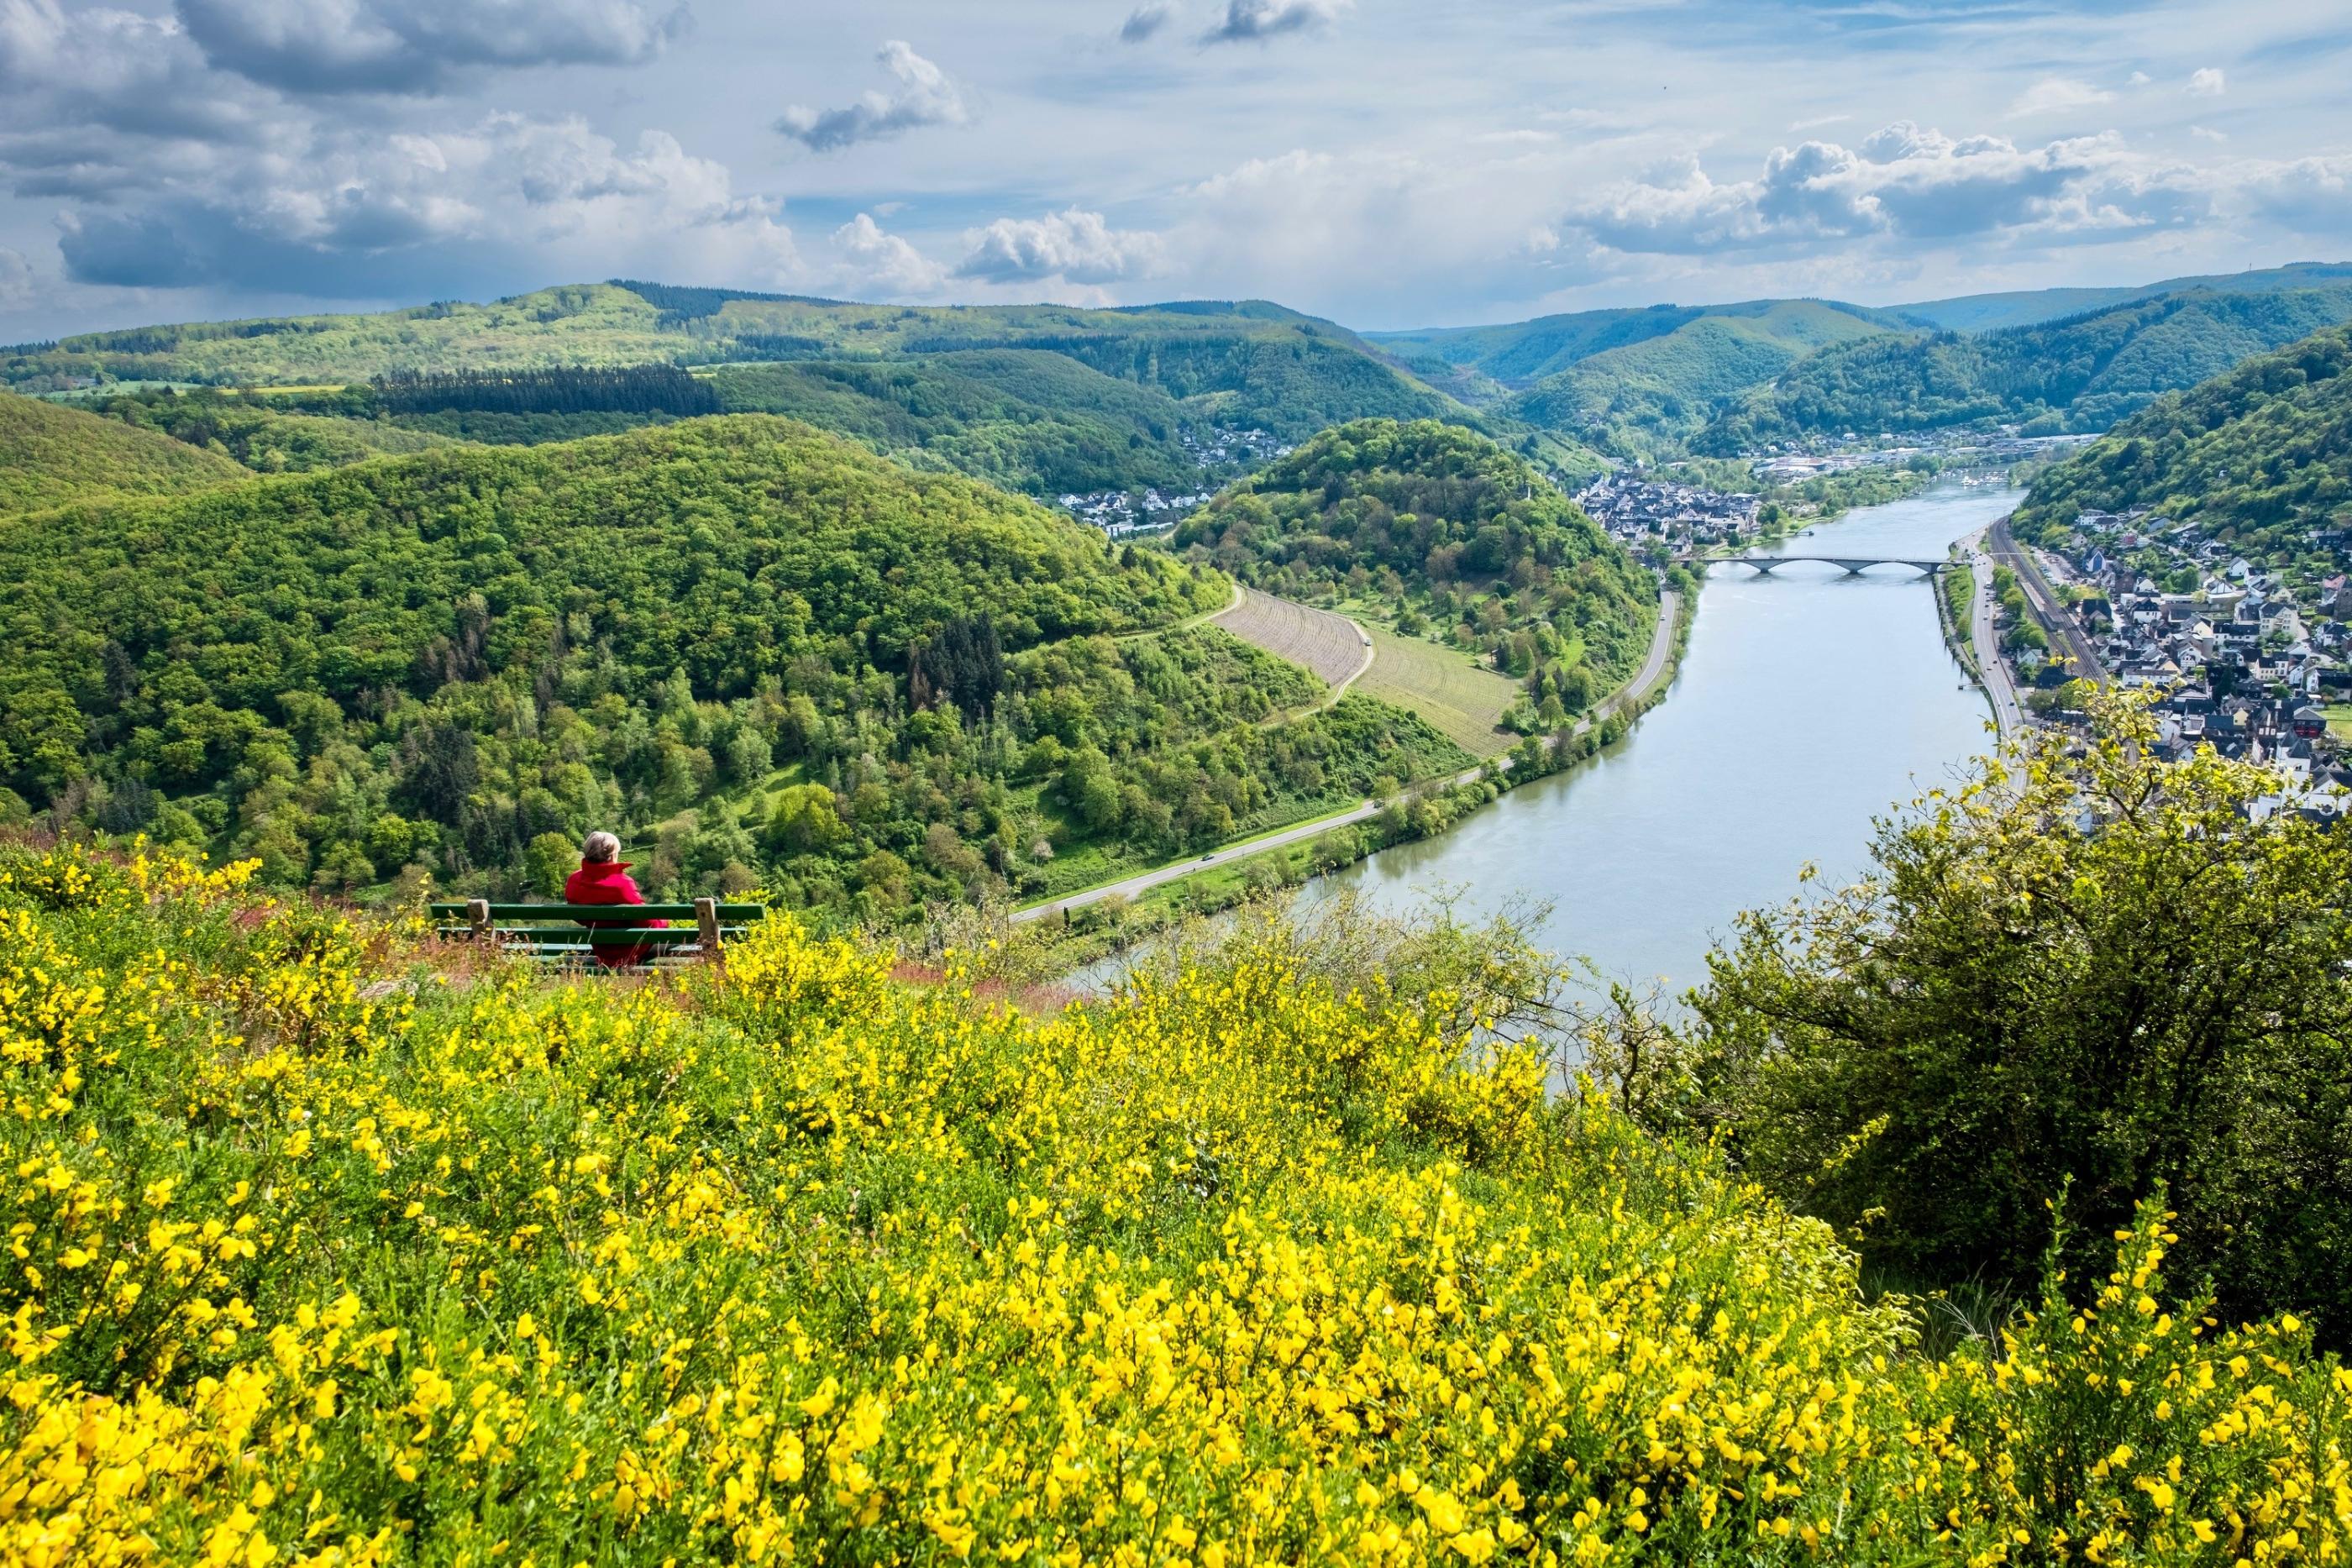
1810,702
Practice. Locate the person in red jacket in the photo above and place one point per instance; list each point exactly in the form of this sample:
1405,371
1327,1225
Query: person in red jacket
603,878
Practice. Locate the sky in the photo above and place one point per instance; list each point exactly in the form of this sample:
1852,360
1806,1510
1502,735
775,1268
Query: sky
1388,164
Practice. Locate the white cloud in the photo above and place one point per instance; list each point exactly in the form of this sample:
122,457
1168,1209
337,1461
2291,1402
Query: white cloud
1905,181
16,278
1254,21
356,212
2207,133
878,262
2210,82
926,95
2311,196
173,171
1075,247
418,46
2058,95
1376,235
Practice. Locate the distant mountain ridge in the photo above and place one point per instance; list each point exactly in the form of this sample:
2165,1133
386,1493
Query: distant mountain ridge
1521,353
2031,307
1044,399
2081,373
1250,362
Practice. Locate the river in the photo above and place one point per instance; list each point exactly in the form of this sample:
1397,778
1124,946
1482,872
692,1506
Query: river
1810,702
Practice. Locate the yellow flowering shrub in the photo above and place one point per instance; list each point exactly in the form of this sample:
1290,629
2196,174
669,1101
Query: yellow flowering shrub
312,1263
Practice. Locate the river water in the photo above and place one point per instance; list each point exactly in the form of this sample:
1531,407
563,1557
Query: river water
1809,703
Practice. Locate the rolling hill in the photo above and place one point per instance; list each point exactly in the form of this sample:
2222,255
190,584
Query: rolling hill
1243,363
1435,529
2031,307
2262,455
1633,381
1521,353
53,456
761,652
2080,375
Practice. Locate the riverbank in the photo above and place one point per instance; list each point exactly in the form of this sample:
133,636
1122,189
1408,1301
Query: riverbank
1087,926
1808,703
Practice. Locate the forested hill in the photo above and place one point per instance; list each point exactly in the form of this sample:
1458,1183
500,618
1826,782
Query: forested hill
2081,374
2031,307
1041,423
1247,363
1439,530
1634,381
1651,397
2261,455
763,654
1521,353
49,455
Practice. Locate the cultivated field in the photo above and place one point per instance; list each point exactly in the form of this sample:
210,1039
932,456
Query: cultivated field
1317,640
1458,698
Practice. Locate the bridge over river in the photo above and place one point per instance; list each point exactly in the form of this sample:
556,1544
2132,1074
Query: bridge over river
1853,566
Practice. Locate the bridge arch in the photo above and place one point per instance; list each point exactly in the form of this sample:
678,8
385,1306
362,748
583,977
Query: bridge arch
1852,566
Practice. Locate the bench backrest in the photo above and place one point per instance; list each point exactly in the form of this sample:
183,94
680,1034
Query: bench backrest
562,932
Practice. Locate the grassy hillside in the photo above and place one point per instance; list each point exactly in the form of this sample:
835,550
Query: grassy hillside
49,455
2082,374
330,1260
763,653
2027,307
2262,455
1437,529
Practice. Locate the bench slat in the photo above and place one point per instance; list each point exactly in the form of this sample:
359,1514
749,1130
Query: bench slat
631,937
575,912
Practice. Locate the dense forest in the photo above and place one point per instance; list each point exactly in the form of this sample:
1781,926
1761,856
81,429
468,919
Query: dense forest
748,645
1448,535
2261,456
1035,422
2078,374
1024,420
263,436
57,455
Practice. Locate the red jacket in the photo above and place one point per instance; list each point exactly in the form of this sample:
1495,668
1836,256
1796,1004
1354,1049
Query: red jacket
608,881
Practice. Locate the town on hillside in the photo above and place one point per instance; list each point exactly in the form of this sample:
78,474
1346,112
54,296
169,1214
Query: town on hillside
1221,452
2246,658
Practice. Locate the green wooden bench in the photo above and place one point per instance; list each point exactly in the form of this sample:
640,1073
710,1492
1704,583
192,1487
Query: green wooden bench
556,933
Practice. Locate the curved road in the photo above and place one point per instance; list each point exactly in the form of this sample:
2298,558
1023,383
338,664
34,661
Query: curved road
1662,646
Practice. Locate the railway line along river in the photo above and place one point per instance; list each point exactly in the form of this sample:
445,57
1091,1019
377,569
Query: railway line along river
1810,703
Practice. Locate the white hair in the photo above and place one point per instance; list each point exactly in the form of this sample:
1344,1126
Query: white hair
600,845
